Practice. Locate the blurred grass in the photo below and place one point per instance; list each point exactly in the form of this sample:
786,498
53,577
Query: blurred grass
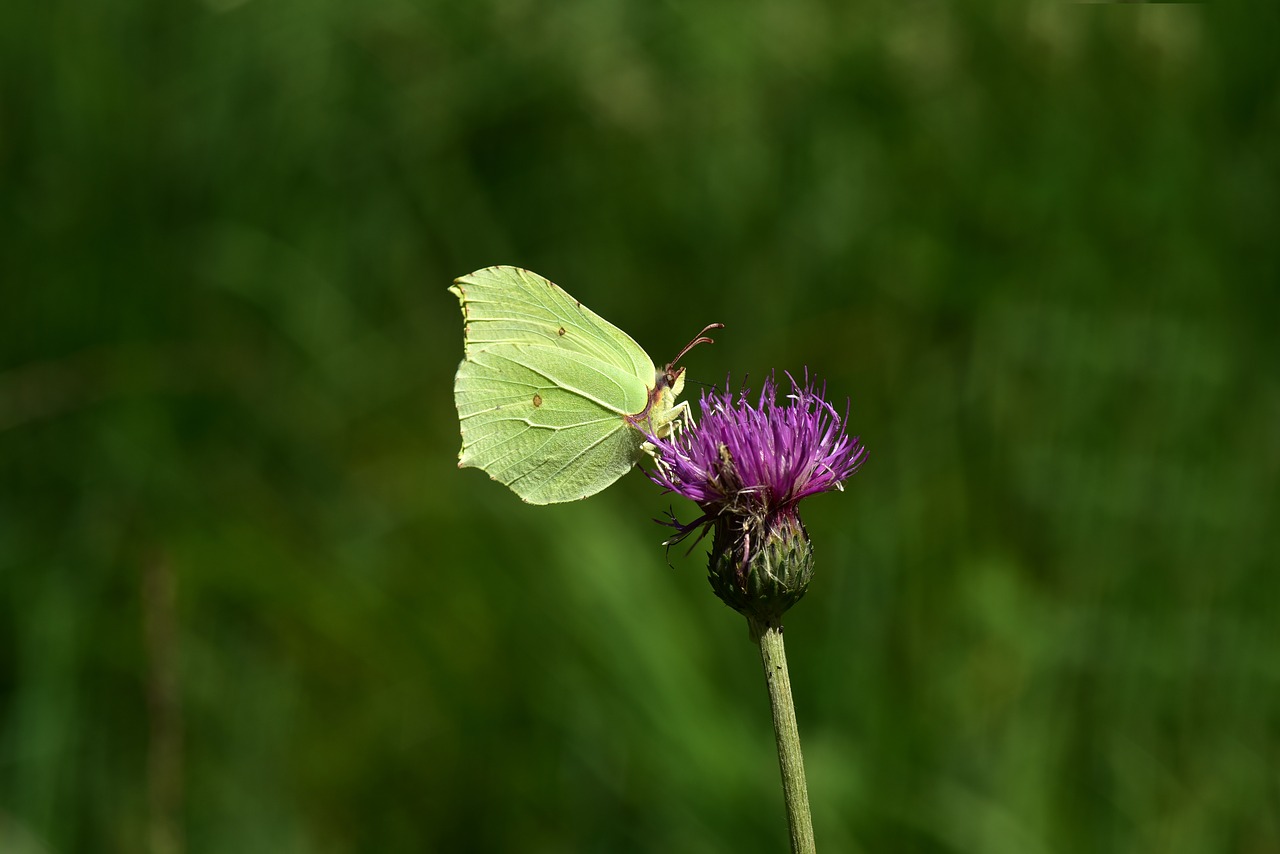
1034,244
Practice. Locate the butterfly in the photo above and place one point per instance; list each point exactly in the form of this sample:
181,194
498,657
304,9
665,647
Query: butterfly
553,399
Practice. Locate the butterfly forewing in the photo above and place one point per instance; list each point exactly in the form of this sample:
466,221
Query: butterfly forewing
508,305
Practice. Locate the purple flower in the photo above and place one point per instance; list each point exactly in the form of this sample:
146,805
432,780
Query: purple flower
748,464
759,459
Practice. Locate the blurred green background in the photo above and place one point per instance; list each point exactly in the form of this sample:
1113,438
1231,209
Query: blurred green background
248,603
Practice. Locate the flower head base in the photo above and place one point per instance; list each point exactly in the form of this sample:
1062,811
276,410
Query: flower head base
748,465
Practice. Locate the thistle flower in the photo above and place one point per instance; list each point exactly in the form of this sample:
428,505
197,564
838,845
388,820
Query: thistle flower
748,465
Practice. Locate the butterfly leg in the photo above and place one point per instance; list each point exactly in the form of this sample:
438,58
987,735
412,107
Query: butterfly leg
681,418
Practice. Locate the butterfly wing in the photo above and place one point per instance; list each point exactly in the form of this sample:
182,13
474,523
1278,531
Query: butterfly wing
545,387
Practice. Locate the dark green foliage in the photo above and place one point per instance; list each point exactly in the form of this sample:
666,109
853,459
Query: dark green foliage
1036,245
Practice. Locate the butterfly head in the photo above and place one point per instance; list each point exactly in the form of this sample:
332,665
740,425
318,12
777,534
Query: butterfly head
661,410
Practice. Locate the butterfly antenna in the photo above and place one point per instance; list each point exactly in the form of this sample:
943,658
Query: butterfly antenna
700,338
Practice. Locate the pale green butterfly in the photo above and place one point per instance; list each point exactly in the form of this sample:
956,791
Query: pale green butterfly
551,396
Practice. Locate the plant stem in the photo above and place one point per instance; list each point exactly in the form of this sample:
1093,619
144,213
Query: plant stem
794,790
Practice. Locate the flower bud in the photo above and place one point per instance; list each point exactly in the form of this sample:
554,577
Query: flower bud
760,567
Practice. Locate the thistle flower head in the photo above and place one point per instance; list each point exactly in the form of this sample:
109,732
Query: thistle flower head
748,463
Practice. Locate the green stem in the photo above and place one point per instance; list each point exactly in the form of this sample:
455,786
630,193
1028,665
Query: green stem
794,790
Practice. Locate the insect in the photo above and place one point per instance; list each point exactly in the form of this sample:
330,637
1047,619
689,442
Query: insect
553,399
